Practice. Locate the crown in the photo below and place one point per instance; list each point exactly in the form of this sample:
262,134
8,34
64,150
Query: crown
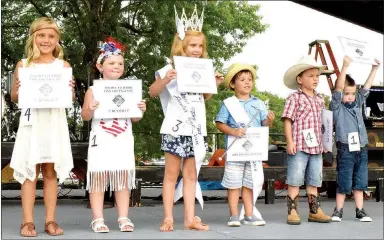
184,24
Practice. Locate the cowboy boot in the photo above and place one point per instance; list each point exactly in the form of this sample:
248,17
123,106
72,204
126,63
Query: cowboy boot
293,216
315,212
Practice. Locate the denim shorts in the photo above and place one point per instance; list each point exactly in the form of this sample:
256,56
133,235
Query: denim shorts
304,166
352,169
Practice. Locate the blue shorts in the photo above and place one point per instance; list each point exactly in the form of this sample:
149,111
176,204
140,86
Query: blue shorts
304,166
352,169
181,146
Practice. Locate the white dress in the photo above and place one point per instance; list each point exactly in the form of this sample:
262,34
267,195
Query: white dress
42,137
111,158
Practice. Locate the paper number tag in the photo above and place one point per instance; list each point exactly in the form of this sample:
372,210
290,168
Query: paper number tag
353,141
26,117
310,137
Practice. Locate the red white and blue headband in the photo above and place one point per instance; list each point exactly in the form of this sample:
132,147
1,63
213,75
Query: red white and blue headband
109,48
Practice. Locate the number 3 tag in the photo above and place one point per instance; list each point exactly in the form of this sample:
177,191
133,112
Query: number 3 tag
353,141
26,117
310,137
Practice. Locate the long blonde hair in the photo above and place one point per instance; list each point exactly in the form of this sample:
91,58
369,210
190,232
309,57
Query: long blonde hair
32,52
178,45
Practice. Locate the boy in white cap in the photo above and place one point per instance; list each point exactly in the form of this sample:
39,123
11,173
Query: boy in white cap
235,112
302,128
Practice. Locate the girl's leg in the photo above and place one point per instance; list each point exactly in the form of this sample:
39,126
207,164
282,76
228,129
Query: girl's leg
172,169
96,199
28,195
50,196
189,189
122,203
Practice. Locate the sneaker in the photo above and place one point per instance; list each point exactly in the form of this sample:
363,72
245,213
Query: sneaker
362,216
253,220
234,221
337,215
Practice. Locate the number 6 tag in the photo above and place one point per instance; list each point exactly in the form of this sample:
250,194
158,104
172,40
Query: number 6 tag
310,137
26,117
353,141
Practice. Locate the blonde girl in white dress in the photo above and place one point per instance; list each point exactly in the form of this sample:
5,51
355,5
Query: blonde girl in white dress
111,158
42,139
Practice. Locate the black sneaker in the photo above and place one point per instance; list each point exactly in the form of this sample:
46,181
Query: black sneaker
337,215
362,216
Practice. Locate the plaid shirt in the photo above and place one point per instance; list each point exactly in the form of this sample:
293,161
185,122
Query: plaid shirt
305,113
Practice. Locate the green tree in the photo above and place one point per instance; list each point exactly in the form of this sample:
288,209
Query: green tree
145,27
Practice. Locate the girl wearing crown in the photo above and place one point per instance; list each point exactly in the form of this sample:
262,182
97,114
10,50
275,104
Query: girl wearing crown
183,144
111,159
42,141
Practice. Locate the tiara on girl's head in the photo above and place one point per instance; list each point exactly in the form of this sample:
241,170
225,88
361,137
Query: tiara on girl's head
184,24
109,48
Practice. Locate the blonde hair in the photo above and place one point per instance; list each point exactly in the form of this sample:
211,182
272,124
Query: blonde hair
178,45
31,50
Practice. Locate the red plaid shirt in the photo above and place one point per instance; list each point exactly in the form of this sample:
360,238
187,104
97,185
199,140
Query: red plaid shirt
305,113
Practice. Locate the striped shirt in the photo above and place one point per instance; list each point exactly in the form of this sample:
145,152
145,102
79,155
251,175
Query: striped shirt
305,113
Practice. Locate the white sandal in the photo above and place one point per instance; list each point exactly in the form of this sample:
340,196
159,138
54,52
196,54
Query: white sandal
96,227
127,223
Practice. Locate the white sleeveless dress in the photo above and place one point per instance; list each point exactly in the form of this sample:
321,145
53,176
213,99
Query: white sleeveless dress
111,158
44,139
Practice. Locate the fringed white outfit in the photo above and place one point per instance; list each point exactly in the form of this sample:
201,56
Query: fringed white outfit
42,137
111,158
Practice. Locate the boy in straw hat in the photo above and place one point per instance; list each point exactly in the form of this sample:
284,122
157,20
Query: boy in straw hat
351,140
234,114
302,128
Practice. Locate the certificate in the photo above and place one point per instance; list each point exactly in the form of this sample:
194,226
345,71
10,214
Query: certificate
45,88
327,129
357,50
118,98
195,75
252,147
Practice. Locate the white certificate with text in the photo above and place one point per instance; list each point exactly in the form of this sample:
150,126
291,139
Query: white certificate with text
359,51
118,98
45,88
252,147
195,75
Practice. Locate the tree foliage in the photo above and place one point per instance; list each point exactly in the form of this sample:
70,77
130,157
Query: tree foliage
145,27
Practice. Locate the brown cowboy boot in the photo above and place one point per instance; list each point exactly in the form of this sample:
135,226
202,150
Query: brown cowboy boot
293,216
315,212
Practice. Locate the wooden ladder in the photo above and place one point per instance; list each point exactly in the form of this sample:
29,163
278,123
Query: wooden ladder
319,51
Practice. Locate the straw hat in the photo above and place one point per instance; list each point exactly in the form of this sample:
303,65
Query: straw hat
304,63
234,69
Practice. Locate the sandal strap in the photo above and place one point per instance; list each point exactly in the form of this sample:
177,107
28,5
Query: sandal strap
55,225
127,223
30,225
97,225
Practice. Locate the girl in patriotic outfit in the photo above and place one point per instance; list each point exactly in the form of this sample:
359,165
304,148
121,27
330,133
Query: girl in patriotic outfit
42,138
111,159
183,132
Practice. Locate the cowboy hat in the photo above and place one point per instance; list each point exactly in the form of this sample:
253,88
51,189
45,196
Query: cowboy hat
304,63
234,69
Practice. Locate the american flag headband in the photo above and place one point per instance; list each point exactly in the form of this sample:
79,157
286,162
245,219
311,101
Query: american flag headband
108,49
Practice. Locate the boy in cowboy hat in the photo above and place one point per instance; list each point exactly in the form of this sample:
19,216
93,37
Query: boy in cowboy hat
302,128
351,140
235,112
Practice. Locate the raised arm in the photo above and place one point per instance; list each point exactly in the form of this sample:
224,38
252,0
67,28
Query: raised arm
340,81
372,75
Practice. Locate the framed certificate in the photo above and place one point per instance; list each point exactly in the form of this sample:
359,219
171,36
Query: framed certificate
252,147
357,50
118,98
45,88
195,75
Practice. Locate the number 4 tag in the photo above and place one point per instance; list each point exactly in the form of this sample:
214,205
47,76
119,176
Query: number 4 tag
26,117
353,141
310,137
